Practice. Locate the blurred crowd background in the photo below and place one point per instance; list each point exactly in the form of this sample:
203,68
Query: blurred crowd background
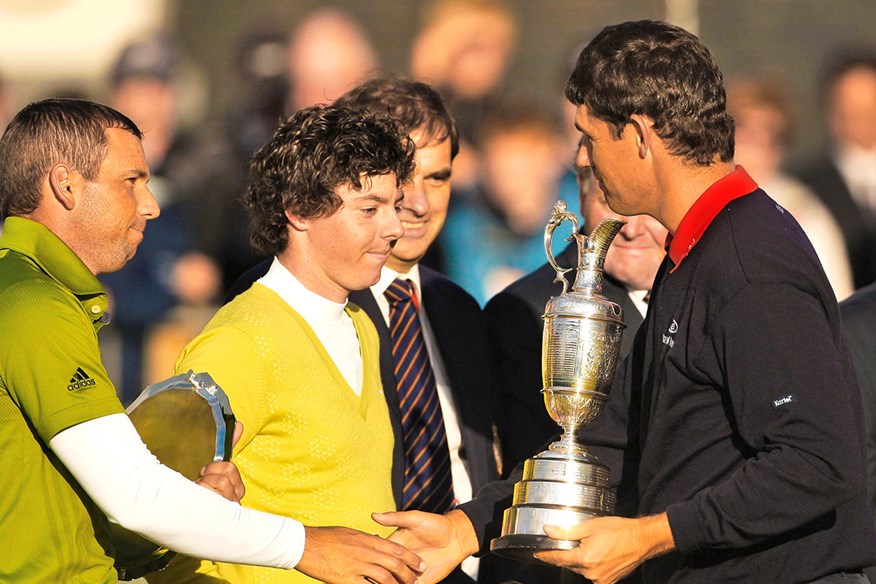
208,81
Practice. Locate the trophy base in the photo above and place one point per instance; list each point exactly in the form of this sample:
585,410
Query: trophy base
522,547
561,489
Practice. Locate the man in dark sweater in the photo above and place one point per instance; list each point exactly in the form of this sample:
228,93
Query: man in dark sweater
739,397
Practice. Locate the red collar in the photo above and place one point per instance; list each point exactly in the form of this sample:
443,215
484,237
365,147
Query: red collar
698,218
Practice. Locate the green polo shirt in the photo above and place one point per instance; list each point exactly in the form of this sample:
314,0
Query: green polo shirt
51,378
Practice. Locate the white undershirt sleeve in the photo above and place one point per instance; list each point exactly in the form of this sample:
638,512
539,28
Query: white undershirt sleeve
111,463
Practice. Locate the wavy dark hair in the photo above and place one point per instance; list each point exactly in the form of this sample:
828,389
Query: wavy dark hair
413,104
49,132
311,154
658,70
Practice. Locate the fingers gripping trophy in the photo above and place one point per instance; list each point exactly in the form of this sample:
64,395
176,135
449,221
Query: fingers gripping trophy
566,484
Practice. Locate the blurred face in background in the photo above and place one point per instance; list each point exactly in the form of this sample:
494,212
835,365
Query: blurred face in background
327,55
852,109
521,167
152,104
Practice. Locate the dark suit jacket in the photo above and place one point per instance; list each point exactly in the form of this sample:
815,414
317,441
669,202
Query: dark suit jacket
515,325
858,314
858,224
460,333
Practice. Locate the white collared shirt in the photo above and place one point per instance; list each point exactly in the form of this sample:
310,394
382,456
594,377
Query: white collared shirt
638,298
329,320
858,168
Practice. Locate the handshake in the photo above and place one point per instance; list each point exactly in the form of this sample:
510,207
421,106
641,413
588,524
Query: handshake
432,545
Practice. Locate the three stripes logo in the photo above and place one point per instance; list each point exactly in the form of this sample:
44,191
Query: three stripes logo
80,380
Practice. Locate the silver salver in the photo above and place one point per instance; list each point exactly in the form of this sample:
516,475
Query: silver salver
566,484
186,422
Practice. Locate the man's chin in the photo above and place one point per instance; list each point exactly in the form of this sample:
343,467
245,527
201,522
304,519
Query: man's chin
404,257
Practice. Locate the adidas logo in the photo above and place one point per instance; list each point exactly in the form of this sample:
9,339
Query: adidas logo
80,380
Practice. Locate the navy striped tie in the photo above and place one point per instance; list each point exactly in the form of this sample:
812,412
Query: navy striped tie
428,481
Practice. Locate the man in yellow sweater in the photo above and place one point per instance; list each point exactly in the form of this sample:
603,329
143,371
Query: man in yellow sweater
299,363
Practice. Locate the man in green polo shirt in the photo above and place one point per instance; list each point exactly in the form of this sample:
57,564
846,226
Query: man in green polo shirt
74,197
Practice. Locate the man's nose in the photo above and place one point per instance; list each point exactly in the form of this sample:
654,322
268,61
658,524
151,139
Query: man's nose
416,199
635,226
148,205
393,229
583,157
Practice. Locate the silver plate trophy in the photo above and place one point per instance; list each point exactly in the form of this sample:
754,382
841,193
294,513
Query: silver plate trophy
186,421
565,484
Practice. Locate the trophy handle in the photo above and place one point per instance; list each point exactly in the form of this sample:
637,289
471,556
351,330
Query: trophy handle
558,215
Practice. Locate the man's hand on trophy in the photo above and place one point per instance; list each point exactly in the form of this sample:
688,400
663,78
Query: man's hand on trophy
611,547
223,477
342,555
443,541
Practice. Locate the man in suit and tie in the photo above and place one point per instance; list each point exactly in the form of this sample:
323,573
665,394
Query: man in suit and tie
458,388
514,319
844,176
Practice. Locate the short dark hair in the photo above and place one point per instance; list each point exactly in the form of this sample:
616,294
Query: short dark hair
661,71
413,104
49,132
317,150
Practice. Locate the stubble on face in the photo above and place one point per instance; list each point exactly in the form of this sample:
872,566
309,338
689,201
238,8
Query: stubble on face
111,217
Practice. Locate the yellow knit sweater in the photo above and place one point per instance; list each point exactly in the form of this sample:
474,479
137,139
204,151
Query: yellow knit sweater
311,448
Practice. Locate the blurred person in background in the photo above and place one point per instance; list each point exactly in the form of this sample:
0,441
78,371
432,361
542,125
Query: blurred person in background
327,53
764,118
844,173
188,180
464,49
494,234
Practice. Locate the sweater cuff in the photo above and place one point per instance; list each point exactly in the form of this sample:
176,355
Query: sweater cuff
685,525
486,518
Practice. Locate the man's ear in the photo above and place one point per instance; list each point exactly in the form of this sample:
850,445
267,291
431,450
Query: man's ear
297,222
64,182
644,133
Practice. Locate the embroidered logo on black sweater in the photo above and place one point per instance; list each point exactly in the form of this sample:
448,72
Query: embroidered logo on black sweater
667,339
784,400
80,380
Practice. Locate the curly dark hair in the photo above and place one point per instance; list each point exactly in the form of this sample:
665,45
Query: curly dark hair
413,104
50,132
661,71
310,156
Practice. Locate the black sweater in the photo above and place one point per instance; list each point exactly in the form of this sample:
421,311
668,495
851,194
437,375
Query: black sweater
741,402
